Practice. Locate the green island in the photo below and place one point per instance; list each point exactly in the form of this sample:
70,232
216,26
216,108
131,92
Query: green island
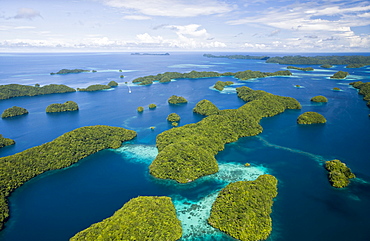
242,75
303,69
112,83
339,174
321,60
14,111
364,89
326,66
141,218
65,150
339,75
206,107
67,106
188,152
173,117
236,56
319,98
152,106
311,117
140,109
242,209
95,88
72,71
6,141
353,66
174,100
220,85
16,90
336,89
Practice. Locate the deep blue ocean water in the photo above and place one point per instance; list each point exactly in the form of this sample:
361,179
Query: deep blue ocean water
58,204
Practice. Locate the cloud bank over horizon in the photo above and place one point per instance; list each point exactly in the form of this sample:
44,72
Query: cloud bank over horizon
179,25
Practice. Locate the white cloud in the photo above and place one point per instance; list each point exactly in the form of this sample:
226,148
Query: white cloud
27,13
172,8
146,38
136,17
190,30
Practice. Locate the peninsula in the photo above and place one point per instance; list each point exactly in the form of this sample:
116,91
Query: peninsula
65,150
6,141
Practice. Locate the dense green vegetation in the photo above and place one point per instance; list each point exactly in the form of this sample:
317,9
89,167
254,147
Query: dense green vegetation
15,90
319,98
5,141
112,83
337,60
94,88
59,153
174,99
242,75
187,152
364,89
71,71
205,107
14,111
326,66
336,89
356,65
173,117
141,218
339,75
298,68
152,106
311,117
236,56
67,106
339,174
220,85
140,109
242,209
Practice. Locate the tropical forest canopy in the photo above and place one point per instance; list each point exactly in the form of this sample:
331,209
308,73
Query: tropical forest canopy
16,90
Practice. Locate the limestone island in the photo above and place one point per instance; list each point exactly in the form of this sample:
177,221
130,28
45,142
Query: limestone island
319,98
321,60
174,100
353,66
72,71
303,69
14,111
326,66
311,117
206,107
364,89
339,174
6,141
152,106
141,218
336,89
140,109
242,209
173,117
220,85
237,56
64,151
16,90
339,75
94,88
188,152
67,106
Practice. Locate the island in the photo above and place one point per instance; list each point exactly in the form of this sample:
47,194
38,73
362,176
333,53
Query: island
67,106
6,141
165,54
336,89
242,209
173,117
188,152
141,218
319,98
321,60
206,107
364,89
64,151
152,106
16,90
72,71
220,85
303,69
311,117
140,109
96,87
339,174
339,75
113,83
242,75
174,100
14,111
237,56
326,66
352,66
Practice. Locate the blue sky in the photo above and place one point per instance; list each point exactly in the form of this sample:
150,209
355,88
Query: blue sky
185,25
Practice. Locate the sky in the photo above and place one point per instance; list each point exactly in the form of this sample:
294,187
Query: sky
185,25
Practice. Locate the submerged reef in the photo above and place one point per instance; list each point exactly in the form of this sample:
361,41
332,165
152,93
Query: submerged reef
67,106
64,151
311,117
242,209
188,152
14,111
141,218
339,174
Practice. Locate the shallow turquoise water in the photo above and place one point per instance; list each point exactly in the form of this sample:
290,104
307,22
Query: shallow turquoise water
58,204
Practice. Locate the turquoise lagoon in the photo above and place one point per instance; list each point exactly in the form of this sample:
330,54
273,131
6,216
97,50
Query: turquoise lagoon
58,204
